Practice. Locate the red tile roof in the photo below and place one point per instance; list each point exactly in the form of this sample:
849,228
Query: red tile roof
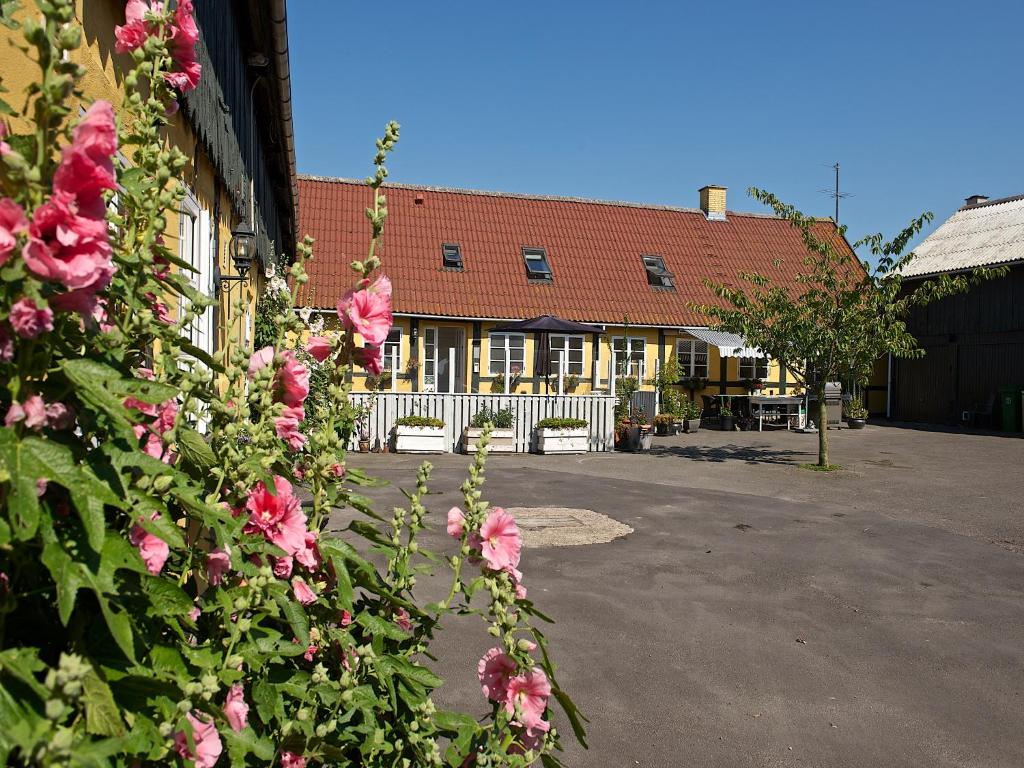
593,247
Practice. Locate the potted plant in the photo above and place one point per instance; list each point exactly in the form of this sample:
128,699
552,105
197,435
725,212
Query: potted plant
502,437
419,434
644,429
664,424
856,415
556,435
726,419
752,385
498,382
690,413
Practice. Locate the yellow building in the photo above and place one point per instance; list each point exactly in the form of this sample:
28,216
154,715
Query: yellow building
464,263
236,128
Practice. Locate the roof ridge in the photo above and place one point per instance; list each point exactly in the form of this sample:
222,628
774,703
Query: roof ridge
535,196
1010,199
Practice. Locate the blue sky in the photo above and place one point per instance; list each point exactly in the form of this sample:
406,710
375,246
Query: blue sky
921,101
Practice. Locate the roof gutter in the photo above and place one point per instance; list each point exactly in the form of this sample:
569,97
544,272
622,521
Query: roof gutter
279,25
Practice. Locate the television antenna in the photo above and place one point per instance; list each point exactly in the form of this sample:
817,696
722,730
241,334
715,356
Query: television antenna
835,194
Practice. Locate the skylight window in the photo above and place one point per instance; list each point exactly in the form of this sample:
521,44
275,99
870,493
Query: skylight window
537,267
451,256
657,275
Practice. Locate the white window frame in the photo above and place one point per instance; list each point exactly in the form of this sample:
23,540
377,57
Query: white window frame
691,348
195,247
751,368
507,352
629,344
429,359
564,347
391,345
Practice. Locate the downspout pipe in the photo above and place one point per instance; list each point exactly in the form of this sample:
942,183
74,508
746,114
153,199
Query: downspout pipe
279,27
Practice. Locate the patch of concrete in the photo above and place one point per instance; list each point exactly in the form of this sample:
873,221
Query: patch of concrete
565,527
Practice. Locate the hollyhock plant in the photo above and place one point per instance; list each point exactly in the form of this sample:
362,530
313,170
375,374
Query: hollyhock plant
87,167
12,224
28,319
527,698
368,311
208,745
371,359
153,550
218,562
68,248
292,760
319,348
235,709
287,426
495,670
500,542
278,516
456,522
303,593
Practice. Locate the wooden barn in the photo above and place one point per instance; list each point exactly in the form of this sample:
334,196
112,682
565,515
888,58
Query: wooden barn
974,342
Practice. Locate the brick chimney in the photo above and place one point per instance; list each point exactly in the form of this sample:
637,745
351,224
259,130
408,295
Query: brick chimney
976,200
712,202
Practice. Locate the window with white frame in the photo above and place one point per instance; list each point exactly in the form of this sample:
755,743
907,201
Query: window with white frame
630,356
429,359
507,346
692,355
754,368
392,350
570,349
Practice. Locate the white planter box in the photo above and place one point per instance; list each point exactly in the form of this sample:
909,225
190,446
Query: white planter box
575,440
420,440
502,440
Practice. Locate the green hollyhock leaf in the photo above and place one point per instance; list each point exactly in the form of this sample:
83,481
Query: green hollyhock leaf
102,717
195,450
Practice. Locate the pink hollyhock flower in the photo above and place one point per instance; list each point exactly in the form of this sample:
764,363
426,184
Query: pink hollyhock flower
292,760
517,582
207,742
402,620
6,345
195,613
59,416
287,427
500,542
371,359
303,593
12,223
5,148
337,469
235,708
456,522
529,693
153,549
29,320
368,311
278,517
14,414
145,373
218,562
149,409
319,348
310,652
41,484
310,556
292,380
160,310
68,248
346,618
87,167
494,671
259,360
184,35
135,31
35,412
283,567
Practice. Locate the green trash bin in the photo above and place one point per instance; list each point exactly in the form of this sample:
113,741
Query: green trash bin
1009,409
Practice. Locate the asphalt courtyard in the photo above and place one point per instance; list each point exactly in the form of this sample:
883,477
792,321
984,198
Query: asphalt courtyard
761,614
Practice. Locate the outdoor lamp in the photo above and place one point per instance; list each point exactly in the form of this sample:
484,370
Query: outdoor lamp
242,248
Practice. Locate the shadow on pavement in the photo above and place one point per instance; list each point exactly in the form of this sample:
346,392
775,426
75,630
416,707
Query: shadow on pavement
745,453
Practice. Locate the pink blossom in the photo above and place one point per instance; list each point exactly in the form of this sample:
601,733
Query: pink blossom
292,380
303,593
368,311
29,320
259,360
283,566
218,562
287,427
346,618
500,542
371,359
456,522
195,613
87,167
68,248
517,582
235,709
35,412
12,223
135,31
310,652
279,517
494,671
59,416
319,348
337,469
207,742
310,555
529,693
14,415
184,34
153,549
292,760
5,148
402,620
160,310
41,484
6,345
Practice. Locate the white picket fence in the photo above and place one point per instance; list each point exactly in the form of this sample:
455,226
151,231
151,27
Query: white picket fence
457,410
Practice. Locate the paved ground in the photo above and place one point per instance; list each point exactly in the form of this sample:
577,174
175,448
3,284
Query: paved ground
764,615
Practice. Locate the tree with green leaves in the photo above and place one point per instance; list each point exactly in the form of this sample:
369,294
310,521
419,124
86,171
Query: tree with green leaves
836,316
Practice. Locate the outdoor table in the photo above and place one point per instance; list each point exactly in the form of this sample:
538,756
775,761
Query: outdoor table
793,406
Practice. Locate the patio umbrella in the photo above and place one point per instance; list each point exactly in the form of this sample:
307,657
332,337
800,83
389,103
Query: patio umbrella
542,325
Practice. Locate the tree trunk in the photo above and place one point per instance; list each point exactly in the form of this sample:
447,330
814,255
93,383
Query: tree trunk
822,428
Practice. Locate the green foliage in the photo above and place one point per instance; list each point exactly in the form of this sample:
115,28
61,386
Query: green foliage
557,423
855,410
840,316
499,419
625,388
418,421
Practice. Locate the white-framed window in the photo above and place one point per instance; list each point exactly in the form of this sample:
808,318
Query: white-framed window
392,350
692,355
507,346
196,247
429,359
754,368
571,350
630,356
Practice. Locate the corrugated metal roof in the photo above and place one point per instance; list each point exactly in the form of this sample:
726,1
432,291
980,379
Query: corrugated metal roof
729,344
979,235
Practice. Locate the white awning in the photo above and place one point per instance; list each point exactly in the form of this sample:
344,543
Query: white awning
729,344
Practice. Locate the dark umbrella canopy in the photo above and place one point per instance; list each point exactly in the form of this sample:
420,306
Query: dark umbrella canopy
548,324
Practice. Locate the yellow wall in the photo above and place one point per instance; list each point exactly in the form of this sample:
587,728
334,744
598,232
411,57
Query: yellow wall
104,80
